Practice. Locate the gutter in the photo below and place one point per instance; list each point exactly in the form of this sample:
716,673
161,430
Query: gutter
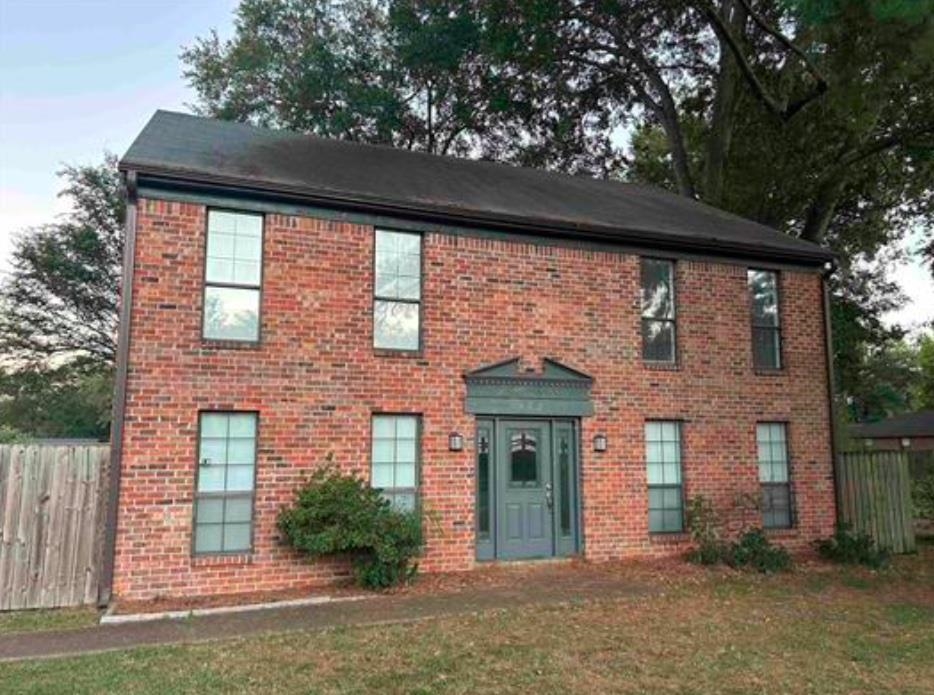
200,181
831,382
105,591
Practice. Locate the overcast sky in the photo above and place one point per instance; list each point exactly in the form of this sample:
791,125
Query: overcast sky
78,77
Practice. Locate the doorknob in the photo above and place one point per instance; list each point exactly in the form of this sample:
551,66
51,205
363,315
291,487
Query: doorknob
549,498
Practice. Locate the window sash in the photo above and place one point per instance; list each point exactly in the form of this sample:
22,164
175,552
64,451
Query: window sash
664,315
395,452
228,533
214,328
777,505
777,497
766,327
383,240
665,474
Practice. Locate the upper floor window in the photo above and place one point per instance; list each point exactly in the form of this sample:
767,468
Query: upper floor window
658,310
226,473
663,470
394,463
774,474
397,291
766,321
233,272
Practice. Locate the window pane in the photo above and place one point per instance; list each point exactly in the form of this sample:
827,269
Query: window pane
238,509
241,450
405,451
403,501
214,424
208,538
658,340
239,478
231,313
766,348
236,537
384,426
211,478
213,451
657,289
405,475
406,426
764,288
210,509
483,482
384,451
656,521
653,431
242,424
382,475
395,325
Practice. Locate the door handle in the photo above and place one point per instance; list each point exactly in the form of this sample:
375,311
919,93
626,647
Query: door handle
549,497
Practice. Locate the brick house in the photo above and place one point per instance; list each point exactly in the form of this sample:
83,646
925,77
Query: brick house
551,365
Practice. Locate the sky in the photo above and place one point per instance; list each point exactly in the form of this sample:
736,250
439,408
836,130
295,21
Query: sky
81,77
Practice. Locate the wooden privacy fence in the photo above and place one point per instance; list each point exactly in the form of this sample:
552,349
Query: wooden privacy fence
51,511
874,495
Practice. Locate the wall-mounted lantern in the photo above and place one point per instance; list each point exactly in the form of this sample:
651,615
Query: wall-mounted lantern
906,442
599,442
455,441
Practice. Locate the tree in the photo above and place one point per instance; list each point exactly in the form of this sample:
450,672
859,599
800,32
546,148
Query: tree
925,388
58,313
60,301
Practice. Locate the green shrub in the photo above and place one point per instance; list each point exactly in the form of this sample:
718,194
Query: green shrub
754,550
922,496
337,514
704,527
852,548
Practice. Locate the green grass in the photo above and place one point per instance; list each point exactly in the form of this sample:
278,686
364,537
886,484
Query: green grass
47,619
802,632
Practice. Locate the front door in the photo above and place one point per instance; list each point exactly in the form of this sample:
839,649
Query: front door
526,488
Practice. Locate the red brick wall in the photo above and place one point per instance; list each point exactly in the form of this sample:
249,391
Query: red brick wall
315,381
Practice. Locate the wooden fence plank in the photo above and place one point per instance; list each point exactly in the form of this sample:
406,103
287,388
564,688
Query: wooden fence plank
50,540
873,489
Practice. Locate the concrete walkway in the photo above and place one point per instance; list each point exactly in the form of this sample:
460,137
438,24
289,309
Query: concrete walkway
545,586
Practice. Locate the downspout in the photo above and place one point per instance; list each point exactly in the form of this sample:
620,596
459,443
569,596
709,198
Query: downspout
831,383
105,591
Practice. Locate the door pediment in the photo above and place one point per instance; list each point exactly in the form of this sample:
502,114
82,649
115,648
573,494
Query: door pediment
502,389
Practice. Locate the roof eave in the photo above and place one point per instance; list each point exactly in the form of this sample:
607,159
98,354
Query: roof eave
177,177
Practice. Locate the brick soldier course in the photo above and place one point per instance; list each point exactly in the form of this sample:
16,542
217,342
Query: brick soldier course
315,381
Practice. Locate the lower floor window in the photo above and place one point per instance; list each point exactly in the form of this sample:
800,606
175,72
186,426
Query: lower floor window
226,472
774,477
394,461
663,464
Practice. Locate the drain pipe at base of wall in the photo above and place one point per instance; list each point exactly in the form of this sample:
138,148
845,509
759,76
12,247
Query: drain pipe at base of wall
108,551
829,268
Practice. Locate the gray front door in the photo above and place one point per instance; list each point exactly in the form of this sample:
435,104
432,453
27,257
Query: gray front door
525,490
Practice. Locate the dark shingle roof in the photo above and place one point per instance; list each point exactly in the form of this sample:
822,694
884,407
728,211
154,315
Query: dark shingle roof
920,424
387,180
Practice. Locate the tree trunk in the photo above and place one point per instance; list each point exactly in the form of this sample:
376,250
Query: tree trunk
721,123
820,211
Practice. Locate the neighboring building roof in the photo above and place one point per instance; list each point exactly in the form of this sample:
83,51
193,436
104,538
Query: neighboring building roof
920,424
180,148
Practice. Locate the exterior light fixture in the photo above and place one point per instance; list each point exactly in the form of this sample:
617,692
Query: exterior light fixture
906,442
599,442
455,441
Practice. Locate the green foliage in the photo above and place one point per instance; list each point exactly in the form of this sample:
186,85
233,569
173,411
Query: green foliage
73,400
60,300
852,548
11,435
704,527
922,496
754,550
336,514
925,383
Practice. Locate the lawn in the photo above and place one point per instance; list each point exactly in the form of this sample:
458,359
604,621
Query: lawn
47,619
819,630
